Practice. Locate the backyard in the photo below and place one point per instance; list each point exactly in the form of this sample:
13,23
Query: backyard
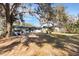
39,29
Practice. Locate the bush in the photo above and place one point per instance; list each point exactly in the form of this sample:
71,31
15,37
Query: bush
72,28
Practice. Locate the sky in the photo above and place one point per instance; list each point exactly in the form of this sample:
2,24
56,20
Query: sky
32,20
71,9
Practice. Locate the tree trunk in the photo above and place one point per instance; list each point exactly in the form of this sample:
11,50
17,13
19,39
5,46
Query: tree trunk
7,12
8,29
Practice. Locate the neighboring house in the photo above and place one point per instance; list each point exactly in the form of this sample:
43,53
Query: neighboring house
18,30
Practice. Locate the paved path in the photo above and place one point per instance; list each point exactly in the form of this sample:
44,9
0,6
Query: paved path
66,34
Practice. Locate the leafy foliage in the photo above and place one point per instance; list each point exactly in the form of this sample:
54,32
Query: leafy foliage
73,28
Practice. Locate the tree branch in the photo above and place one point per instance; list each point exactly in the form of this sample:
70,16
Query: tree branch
13,7
3,5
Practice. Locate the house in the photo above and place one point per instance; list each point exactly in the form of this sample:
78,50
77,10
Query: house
18,30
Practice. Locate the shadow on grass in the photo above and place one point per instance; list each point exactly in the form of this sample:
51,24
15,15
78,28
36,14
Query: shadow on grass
8,48
67,43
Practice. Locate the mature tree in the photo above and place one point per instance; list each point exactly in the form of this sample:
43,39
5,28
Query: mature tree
51,15
48,13
10,14
61,15
45,12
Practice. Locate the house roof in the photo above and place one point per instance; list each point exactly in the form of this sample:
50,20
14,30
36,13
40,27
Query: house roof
27,27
